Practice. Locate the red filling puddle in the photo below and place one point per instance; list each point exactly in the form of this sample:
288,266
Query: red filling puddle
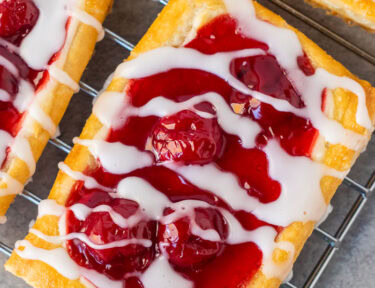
187,138
18,17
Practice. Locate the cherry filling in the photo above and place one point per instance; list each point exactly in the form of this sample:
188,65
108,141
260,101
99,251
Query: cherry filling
100,229
187,138
18,17
186,250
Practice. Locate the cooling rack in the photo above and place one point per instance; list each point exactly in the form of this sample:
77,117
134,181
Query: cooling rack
332,241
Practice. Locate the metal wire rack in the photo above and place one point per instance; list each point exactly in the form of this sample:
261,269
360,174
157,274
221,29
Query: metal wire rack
332,241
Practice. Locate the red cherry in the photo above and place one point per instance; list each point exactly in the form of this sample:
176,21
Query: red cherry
17,19
186,250
264,74
187,137
100,228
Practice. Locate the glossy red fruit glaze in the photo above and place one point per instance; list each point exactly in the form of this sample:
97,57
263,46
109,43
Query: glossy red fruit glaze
233,268
18,17
9,116
295,134
213,264
264,74
100,228
254,178
186,250
305,65
188,138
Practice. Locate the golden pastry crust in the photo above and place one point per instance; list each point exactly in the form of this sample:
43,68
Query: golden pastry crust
361,12
171,28
55,101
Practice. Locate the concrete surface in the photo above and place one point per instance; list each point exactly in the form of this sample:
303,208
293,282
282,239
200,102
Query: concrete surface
352,266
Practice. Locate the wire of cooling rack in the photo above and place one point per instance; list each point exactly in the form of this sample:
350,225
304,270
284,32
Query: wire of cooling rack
333,241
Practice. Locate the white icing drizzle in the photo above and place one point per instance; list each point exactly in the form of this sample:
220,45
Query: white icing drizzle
202,176
301,174
12,185
264,237
90,20
166,58
24,96
44,40
294,179
50,25
300,200
9,66
187,208
42,118
63,77
65,265
108,107
4,96
89,182
286,54
50,207
85,239
99,280
81,212
161,275
151,201
123,158
231,122
21,147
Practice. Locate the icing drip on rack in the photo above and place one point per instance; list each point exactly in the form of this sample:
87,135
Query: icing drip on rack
151,172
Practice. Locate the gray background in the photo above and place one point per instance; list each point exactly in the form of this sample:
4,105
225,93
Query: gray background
352,266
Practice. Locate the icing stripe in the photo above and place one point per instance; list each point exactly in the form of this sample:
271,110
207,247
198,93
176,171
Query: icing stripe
123,158
166,58
307,175
65,265
161,275
63,77
43,119
85,239
50,207
4,96
89,182
21,147
24,96
12,185
244,12
9,66
232,123
108,107
53,16
81,212
90,20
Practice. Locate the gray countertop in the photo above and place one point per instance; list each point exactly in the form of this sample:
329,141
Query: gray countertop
352,266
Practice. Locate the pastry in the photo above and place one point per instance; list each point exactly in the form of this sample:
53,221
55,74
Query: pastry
44,48
361,12
207,161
